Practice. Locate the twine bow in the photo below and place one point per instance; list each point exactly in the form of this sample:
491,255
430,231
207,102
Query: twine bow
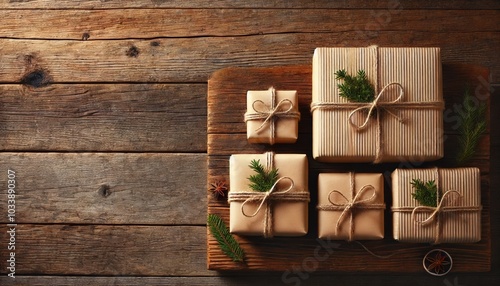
271,113
266,196
440,208
267,199
377,104
349,205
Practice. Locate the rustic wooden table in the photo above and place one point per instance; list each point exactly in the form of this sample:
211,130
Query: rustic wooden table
103,122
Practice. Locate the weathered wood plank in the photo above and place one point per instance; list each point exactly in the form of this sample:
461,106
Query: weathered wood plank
299,4
86,117
159,23
106,188
107,250
305,278
194,59
226,94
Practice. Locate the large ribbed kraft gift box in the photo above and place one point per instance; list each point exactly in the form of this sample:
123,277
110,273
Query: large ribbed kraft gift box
404,122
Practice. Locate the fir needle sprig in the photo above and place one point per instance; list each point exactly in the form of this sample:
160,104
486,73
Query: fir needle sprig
427,193
226,241
264,180
355,88
472,127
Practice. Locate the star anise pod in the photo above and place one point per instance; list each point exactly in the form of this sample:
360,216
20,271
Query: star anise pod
437,262
218,189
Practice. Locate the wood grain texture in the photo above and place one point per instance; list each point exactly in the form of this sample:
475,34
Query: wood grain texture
151,23
298,4
106,188
86,117
194,59
226,94
59,249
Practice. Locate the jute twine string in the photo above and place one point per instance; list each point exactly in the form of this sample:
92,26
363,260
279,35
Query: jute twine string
270,114
267,199
348,206
436,213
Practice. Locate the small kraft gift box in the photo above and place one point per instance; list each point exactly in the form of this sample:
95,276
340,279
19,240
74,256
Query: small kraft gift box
278,205
272,116
351,206
402,119
437,205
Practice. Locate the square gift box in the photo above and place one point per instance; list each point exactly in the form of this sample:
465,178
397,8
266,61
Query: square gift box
351,206
456,214
281,211
272,116
403,122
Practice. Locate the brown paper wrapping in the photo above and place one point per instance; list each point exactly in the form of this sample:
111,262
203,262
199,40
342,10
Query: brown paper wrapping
455,227
418,138
289,218
368,223
285,129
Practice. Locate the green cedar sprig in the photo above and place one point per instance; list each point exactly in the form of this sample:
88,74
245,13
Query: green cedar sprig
355,88
226,241
472,127
427,193
264,180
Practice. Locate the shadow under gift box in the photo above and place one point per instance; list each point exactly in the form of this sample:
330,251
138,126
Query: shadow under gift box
458,221
411,129
289,218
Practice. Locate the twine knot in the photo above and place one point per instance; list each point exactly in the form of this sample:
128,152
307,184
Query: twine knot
376,104
265,196
441,207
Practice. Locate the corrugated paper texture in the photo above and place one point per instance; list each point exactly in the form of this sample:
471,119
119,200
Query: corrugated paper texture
368,224
289,218
419,138
286,130
457,226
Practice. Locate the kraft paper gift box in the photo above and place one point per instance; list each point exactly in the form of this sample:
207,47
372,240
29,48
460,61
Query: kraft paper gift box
457,217
351,206
272,116
283,211
405,122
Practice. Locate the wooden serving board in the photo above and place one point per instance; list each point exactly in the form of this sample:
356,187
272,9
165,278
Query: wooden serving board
227,135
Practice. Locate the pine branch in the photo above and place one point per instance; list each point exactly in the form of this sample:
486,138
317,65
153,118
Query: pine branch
427,193
472,127
264,180
226,241
357,88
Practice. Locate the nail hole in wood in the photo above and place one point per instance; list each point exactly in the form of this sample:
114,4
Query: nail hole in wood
132,52
104,191
85,36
